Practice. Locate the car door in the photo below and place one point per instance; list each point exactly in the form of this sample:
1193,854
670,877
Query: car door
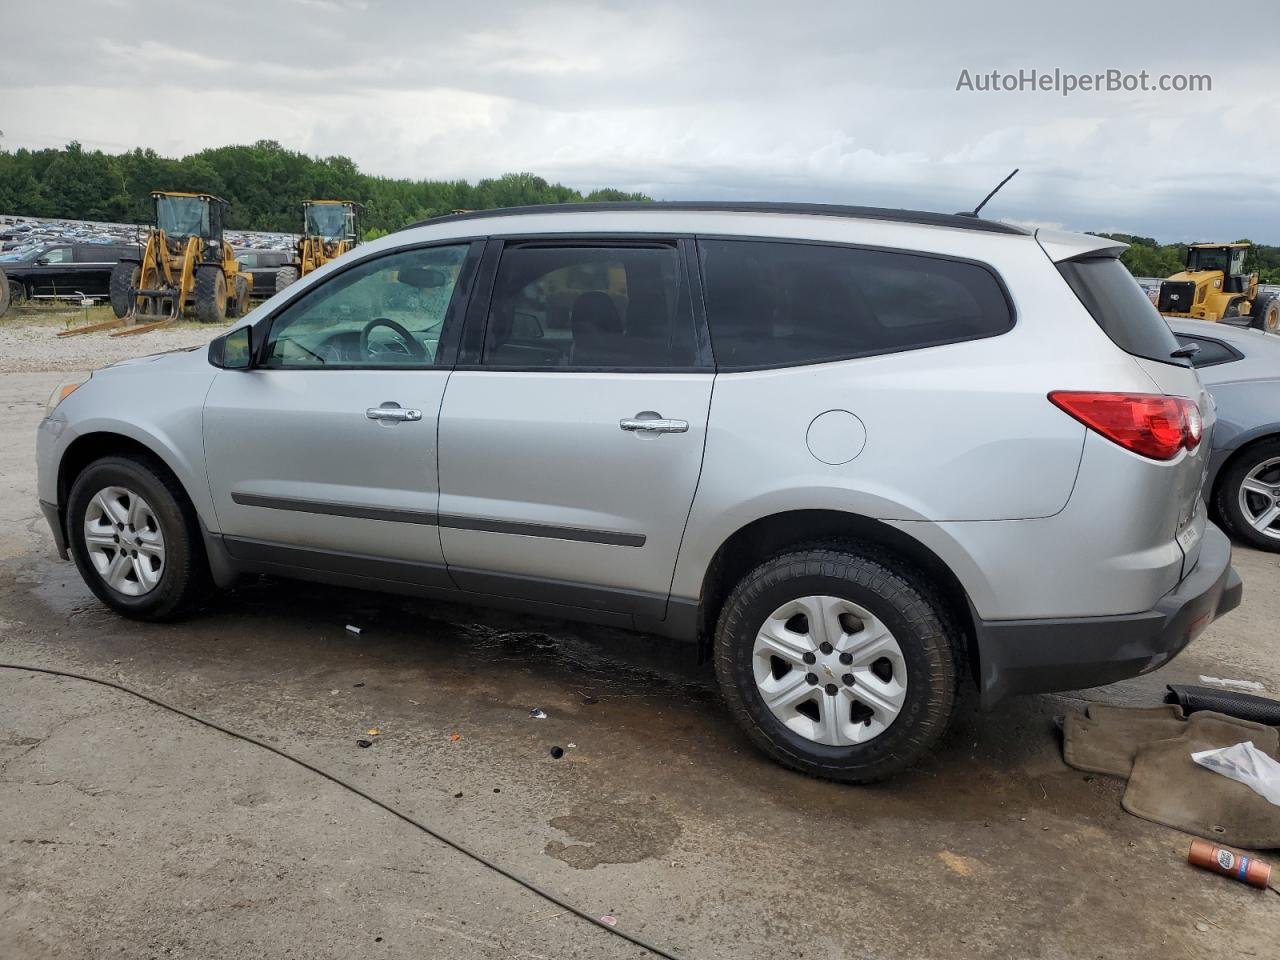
572,430
91,268
51,273
323,455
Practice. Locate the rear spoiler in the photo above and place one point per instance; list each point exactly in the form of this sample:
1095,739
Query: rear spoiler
1060,245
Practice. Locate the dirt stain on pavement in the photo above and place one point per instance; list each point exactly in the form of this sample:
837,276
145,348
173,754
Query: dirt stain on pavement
618,831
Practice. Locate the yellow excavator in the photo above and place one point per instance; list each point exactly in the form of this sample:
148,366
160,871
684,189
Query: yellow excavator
1215,287
187,268
329,229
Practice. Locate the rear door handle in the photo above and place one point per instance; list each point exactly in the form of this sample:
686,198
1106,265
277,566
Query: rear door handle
655,425
393,412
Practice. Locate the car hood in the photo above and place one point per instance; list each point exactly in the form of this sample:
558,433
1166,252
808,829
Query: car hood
176,355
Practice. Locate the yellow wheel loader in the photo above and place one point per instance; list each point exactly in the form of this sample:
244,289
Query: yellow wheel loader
187,268
329,229
1215,287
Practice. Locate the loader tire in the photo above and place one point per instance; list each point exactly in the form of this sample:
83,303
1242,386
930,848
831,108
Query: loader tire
4,293
211,294
286,276
124,281
238,305
1266,312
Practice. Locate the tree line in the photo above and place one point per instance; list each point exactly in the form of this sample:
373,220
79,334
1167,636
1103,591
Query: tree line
264,183
1147,258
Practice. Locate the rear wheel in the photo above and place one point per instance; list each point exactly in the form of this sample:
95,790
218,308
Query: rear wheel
239,304
135,539
211,294
1248,496
285,276
1266,312
837,663
4,293
123,287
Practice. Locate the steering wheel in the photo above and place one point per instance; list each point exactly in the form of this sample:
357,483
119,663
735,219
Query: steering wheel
412,347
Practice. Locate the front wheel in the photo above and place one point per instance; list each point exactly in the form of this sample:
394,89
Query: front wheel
210,294
123,287
837,663
1247,496
286,276
134,538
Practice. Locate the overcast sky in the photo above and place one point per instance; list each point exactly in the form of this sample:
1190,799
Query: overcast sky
791,100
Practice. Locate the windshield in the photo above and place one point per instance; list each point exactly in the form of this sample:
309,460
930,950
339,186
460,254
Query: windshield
328,220
183,216
1208,260
25,252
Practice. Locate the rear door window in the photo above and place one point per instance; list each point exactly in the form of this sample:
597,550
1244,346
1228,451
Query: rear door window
774,304
591,307
1121,308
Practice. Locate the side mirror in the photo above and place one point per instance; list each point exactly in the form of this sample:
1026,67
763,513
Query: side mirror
234,350
42,261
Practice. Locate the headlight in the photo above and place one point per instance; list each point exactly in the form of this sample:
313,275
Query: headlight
63,391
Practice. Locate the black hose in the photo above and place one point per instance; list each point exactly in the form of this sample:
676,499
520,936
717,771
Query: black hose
1243,706
430,831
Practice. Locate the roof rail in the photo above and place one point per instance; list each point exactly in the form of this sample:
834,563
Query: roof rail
958,221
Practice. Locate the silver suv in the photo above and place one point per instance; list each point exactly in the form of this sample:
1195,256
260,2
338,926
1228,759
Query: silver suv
856,455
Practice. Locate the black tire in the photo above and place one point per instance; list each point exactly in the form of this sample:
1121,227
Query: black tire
896,594
1266,312
4,294
211,294
184,581
1226,494
238,305
286,276
124,281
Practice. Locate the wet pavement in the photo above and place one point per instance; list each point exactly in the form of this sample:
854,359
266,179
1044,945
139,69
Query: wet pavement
127,831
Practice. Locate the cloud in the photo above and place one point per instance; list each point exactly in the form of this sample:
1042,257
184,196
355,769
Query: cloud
829,101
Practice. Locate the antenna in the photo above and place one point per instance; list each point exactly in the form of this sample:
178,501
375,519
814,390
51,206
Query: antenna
978,208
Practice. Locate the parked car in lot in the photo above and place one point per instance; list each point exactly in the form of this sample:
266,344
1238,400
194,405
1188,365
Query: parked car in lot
61,269
262,266
858,455
1241,368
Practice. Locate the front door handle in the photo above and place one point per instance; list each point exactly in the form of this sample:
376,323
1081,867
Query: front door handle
393,412
642,424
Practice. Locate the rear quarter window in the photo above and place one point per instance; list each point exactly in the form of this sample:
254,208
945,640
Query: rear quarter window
1121,308
772,304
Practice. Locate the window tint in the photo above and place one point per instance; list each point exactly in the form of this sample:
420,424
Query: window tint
57,255
773,304
1120,307
590,307
1211,352
385,312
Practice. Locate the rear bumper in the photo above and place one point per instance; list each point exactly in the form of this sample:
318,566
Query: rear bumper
1039,656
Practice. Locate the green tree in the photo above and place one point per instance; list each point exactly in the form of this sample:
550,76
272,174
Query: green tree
85,185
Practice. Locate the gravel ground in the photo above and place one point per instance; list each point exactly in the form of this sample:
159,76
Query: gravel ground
30,343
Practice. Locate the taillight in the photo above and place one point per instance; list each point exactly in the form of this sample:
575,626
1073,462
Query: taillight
1149,424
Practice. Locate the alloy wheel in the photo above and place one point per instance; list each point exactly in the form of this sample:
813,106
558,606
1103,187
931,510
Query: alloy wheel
1260,498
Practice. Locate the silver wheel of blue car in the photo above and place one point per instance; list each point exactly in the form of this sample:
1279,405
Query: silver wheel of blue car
124,540
1260,498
